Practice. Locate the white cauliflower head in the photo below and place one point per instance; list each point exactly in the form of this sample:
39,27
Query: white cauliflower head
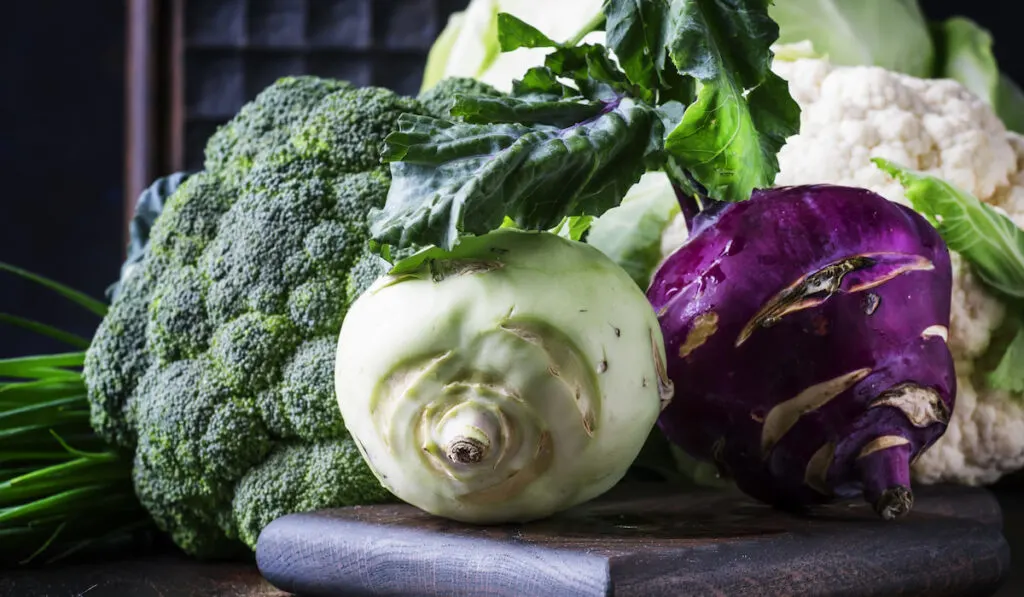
852,114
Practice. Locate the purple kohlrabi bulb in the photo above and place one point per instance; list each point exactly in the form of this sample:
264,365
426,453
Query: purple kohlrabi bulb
806,335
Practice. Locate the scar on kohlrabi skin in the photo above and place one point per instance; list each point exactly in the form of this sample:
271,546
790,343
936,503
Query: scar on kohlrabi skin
666,387
868,270
442,269
921,406
936,331
784,415
704,326
871,303
816,474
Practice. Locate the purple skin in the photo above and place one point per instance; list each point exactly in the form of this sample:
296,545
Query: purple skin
826,390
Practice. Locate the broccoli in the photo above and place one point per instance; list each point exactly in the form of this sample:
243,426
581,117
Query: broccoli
301,477
214,365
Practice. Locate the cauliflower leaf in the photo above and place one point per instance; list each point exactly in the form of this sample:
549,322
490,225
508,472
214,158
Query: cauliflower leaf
989,240
892,34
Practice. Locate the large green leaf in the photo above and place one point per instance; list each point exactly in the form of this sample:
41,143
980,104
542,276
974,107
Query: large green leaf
454,179
742,115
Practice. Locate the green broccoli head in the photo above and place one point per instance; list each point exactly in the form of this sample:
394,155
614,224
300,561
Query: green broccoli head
439,99
215,363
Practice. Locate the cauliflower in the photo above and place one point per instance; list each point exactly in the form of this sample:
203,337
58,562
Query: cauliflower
852,114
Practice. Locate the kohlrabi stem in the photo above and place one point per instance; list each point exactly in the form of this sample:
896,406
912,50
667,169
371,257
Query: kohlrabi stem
468,437
687,204
886,477
591,26
465,450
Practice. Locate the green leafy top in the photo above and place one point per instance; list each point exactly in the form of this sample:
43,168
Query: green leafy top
683,86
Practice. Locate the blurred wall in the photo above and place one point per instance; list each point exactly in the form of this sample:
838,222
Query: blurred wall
61,139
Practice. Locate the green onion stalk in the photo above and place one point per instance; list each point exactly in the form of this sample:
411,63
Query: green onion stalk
63,491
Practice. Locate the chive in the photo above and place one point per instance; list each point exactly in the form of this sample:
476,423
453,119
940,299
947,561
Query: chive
62,489
75,296
45,330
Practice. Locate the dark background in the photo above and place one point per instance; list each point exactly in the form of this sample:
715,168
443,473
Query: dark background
62,145
62,149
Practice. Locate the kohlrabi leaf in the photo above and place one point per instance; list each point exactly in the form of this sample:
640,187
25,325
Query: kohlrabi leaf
892,34
743,113
728,142
989,240
555,112
638,32
712,40
631,233
469,45
594,72
541,80
574,227
456,179
513,33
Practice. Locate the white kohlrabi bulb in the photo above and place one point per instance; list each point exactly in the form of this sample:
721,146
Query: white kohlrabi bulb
519,377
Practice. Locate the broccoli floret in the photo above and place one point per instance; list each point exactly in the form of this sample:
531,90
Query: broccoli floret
215,363
439,99
348,128
301,477
178,326
304,405
190,219
118,357
193,443
364,273
265,123
357,193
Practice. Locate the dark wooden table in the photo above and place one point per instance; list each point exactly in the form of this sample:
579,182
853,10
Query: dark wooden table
1010,495
638,542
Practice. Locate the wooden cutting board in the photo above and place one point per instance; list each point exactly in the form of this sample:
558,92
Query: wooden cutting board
651,541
